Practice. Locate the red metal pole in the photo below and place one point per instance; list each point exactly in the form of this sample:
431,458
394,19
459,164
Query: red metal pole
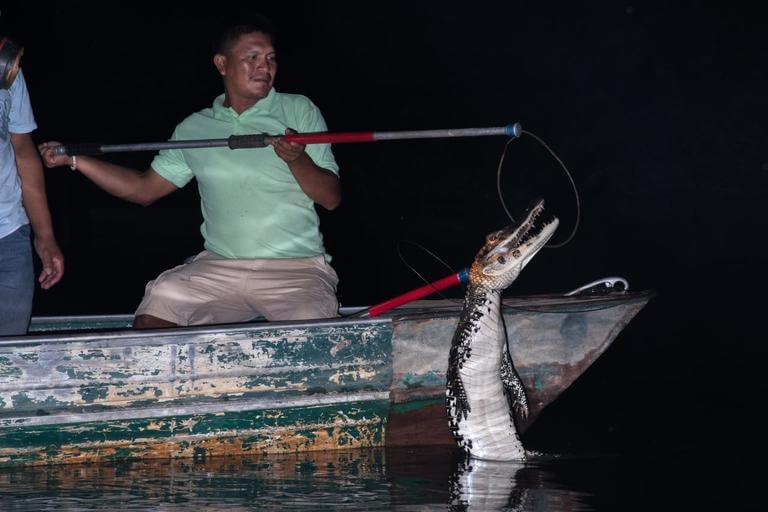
429,289
327,138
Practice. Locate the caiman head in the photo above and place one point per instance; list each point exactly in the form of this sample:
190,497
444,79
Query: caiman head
507,251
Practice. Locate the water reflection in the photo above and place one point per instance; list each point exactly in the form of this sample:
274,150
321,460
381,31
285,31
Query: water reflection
485,485
510,486
371,479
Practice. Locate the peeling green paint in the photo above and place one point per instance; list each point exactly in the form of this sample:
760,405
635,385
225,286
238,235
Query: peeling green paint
91,354
143,390
406,407
92,393
9,372
20,399
84,375
427,379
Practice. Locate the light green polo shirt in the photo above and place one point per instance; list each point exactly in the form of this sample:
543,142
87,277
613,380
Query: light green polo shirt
252,205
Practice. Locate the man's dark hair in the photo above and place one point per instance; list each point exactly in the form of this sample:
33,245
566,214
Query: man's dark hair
245,25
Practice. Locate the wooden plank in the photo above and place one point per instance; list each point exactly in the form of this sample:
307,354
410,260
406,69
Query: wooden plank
138,369
244,432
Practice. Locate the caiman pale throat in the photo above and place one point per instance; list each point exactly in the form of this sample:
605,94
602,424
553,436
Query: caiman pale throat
483,390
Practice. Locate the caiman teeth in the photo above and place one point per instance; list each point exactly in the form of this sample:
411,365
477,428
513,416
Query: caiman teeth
531,234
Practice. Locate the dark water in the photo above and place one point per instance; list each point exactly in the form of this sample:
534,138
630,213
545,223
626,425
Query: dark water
379,479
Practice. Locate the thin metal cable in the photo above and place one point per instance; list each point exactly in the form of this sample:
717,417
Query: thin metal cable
446,265
498,180
567,173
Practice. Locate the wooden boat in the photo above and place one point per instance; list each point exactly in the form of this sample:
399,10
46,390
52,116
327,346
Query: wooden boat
89,388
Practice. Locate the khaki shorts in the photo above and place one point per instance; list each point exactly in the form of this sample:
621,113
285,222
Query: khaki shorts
211,289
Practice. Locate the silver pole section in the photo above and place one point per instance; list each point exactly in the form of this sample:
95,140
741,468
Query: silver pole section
513,130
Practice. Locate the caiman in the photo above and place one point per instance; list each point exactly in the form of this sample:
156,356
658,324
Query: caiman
483,390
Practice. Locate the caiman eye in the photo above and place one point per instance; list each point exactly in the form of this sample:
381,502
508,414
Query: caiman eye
516,253
501,259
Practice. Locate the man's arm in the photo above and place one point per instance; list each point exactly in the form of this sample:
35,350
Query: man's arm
36,204
321,185
143,188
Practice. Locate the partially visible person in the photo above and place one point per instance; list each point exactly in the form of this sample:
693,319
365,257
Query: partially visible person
23,211
264,252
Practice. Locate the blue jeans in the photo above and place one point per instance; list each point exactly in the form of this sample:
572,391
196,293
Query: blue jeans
17,282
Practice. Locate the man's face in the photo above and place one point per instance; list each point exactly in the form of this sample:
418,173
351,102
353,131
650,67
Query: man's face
250,67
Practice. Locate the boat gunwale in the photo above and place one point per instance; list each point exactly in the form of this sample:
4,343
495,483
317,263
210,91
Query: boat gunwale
417,310
172,332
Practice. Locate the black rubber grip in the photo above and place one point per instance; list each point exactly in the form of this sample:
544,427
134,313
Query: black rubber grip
78,149
246,141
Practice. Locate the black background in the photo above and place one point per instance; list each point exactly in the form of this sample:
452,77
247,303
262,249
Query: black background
657,109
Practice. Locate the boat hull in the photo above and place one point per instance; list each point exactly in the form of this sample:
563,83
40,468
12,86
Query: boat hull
87,389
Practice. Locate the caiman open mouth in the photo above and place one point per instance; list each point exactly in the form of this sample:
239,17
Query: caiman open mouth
515,236
514,246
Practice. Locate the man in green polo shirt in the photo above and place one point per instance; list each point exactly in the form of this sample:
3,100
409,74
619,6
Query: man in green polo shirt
264,252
